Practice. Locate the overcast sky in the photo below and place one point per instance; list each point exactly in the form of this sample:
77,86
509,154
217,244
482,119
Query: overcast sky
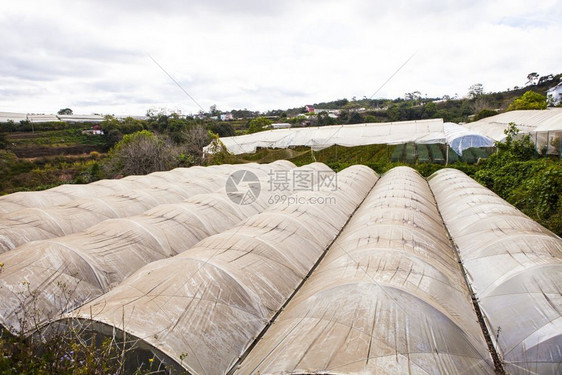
94,56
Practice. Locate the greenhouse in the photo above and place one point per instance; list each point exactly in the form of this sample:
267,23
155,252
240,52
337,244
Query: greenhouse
98,203
65,272
543,126
514,266
423,132
66,193
219,295
318,138
273,268
388,298
459,138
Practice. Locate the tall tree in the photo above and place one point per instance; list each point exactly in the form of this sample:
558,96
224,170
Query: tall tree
475,90
65,111
140,153
532,78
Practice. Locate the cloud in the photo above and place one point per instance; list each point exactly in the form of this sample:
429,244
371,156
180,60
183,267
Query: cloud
94,55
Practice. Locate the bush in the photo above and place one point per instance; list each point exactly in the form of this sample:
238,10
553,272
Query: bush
529,100
140,153
485,113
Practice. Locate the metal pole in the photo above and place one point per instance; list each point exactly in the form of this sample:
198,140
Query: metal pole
536,143
547,142
447,154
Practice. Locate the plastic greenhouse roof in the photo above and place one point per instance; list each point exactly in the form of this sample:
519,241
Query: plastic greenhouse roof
424,131
529,121
231,284
345,135
514,267
43,222
370,275
90,263
389,297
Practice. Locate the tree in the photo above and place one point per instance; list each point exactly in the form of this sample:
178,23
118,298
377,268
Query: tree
532,78
213,111
413,96
529,100
65,111
545,79
140,153
325,119
191,150
430,109
258,124
223,129
475,90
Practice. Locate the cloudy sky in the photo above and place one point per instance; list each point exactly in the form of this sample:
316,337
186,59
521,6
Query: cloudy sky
95,56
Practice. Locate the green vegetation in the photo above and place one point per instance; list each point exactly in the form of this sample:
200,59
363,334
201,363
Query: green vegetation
259,124
529,100
532,185
140,153
20,174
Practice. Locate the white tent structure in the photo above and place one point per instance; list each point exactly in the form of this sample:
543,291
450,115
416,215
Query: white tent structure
12,116
388,298
460,138
318,138
67,193
212,300
421,132
62,273
39,223
365,276
544,127
514,266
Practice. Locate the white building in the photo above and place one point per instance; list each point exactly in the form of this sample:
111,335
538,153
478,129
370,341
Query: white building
554,95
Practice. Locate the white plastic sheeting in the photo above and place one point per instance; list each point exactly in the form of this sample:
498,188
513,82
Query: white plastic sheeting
529,121
22,226
12,116
388,298
214,299
17,117
67,193
428,131
459,138
52,276
81,118
515,269
42,118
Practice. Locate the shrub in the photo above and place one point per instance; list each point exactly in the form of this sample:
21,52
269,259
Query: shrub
529,100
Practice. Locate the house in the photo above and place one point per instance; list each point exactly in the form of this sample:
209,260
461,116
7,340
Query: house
94,130
227,117
309,108
554,95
